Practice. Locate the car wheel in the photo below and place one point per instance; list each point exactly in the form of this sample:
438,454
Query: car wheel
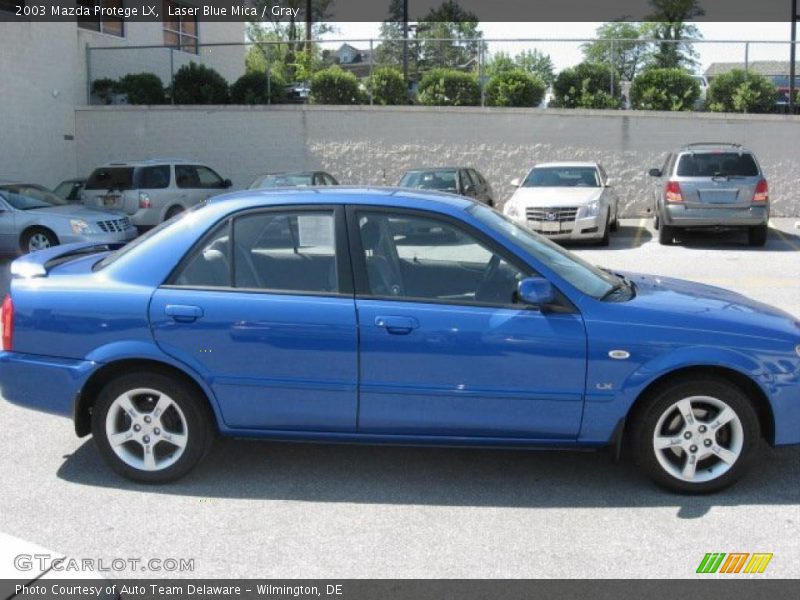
37,239
150,427
666,235
757,236
615,224
175,210
696,436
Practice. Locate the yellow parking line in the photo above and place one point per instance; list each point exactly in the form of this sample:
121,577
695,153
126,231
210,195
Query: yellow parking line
784,237
639,231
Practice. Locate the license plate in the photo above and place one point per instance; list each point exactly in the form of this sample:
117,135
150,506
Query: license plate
549,226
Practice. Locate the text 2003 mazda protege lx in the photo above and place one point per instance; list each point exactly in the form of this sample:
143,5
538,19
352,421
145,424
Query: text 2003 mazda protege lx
390,316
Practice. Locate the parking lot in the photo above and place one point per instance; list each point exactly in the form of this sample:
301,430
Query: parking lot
308,510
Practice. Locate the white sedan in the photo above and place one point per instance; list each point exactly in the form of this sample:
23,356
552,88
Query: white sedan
565,201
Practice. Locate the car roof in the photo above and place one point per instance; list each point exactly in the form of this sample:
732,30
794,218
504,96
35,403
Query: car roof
276,173
567,163
367,195
147,162
418,169
700,147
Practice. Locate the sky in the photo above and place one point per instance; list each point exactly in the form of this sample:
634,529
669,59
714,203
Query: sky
565,54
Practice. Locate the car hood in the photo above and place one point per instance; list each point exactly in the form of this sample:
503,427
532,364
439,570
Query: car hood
74,212
556,196
696,305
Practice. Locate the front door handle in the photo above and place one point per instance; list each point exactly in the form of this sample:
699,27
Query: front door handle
397,325
183,313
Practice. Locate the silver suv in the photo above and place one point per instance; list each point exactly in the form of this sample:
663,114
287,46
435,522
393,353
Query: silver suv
711,186
151,191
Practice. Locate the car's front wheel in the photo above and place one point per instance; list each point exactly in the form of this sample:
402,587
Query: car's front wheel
37,238
696,436
151,427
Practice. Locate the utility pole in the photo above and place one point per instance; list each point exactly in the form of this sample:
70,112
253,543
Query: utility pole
405,41
308,25
793,57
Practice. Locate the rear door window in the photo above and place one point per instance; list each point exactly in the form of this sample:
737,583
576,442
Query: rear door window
719,164
110,178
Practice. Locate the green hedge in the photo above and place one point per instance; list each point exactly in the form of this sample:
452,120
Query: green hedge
741,91
387,86
254,88
664,89
335,86
514,87
587,85
142,88
448,87
198,84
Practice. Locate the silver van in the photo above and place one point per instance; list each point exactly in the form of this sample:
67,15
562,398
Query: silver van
151,191
711,186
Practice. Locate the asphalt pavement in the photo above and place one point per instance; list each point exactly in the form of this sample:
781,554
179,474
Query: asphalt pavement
262,509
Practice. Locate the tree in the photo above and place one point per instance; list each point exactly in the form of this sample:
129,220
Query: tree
390,49
514,87
459,30
664,89
741,91
625,57
538,63
587,85
669,23
532,62
284,36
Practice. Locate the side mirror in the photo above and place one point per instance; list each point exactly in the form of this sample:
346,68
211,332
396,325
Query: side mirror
516,182
536,291
227,183
654,172
609,182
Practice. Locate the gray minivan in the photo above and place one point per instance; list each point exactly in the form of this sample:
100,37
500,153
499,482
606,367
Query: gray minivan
711,186
151,191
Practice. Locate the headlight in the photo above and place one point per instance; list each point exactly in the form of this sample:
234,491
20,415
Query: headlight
592,209
511,210
79,226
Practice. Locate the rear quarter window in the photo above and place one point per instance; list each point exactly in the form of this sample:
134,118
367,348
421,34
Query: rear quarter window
110,178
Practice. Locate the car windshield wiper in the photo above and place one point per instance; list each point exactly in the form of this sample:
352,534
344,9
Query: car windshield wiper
623,283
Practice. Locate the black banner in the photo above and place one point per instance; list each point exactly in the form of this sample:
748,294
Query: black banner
736,587
379,10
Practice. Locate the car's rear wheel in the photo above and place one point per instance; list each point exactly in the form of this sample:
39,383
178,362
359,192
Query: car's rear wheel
757,236
151,427
37,238
666,235
174,210
696,436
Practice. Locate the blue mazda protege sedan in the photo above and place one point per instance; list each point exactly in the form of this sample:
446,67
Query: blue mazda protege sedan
390,316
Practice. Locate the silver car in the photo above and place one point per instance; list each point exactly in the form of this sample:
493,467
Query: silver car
566,201
36,219
711,186
151,191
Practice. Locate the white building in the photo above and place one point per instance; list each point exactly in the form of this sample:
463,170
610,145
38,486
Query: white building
46,70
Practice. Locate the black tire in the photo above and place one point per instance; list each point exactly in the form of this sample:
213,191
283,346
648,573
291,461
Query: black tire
646,420
173,210
195,423
615,224
757,236
37,233
666,235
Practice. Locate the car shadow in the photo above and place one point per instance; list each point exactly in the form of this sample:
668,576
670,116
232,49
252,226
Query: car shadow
778,241
624,238
312,472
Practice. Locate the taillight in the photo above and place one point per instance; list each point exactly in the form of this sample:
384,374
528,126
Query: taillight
762,192
7,322
144,200
673,192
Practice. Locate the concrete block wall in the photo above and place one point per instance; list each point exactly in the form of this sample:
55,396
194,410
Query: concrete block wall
374,145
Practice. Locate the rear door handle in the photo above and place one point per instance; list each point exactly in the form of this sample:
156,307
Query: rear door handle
183,313
397,325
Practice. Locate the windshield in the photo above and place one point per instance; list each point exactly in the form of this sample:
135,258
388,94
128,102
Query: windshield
282,180
23,202
713,164
589,279
444,180
43,198
562,177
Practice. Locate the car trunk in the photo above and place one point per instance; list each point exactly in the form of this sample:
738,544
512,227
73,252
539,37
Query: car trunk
725,179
